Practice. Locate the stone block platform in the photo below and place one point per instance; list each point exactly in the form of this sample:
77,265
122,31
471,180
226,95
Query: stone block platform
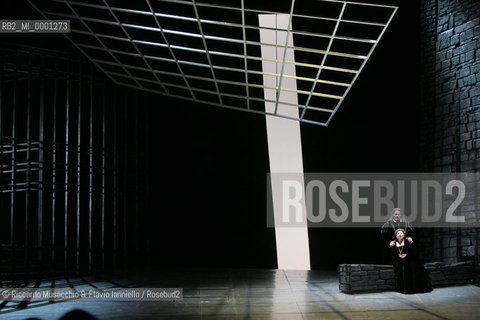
357,278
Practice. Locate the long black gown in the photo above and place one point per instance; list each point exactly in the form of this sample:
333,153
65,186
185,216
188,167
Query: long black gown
410,274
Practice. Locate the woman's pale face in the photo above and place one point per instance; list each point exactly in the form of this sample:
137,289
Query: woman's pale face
400,235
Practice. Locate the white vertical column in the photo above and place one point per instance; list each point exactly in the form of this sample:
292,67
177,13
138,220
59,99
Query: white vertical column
283,136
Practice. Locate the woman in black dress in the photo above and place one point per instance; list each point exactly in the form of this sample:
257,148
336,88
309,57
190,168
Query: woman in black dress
410,275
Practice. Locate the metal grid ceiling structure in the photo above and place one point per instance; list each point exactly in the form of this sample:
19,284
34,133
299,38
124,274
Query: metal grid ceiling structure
208,51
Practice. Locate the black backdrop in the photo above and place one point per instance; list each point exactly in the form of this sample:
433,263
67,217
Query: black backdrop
215,163
209,165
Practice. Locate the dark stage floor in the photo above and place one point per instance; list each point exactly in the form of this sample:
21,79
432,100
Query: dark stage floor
249,294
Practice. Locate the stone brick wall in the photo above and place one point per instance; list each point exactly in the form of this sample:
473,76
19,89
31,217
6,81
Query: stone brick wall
450,111
442,274
358,278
